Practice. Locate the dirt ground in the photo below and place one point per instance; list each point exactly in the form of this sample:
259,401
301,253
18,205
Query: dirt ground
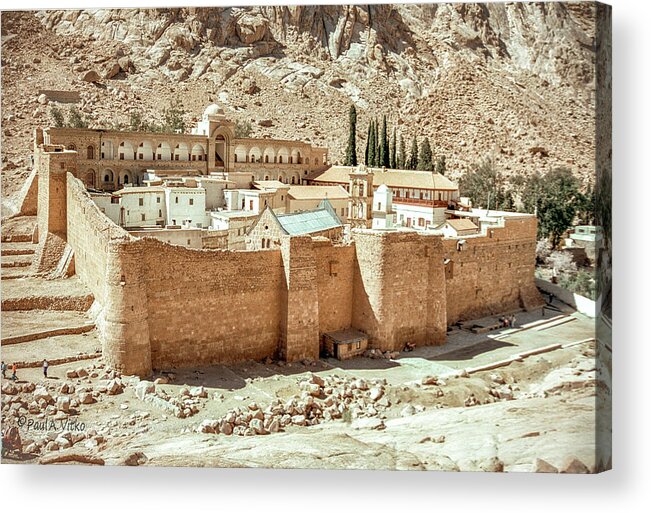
537,407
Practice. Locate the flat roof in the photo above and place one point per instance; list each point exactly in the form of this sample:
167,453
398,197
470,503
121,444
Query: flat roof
233,213
271,184
394,178
346,336
318,192
462,224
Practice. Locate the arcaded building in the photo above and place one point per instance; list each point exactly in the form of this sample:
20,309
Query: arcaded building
110,159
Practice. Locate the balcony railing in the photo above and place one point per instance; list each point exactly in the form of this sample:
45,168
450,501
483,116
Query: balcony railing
421,202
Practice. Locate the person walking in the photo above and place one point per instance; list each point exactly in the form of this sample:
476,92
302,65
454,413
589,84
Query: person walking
14,368
513,321
45,366
3,367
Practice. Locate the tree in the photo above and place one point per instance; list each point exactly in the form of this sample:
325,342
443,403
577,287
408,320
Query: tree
485,187
440,165
57,117
242,129
425,157
393,157
413,157
555,198
376,160
351,149
371,145
401,161
76,119
173,118
136,121
367,151
384,157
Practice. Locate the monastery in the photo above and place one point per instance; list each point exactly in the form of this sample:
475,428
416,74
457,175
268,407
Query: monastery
205,248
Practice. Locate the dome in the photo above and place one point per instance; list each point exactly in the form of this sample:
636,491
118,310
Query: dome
213,110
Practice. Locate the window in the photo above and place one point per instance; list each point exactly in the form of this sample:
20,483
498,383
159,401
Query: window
250,204
141,156
176,200
235,158
157,199
90,152
142,217
379,205
141,202
160,213
188,242
115,199
191,201
421,221
121,156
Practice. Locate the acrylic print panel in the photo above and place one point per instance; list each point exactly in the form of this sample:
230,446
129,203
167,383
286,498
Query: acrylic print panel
336,237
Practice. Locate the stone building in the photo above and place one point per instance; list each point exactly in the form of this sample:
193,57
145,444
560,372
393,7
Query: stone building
163,305
420,198
109,159
269,228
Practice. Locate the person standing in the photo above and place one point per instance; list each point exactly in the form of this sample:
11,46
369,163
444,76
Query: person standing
14,368
513,321
3,367
45,366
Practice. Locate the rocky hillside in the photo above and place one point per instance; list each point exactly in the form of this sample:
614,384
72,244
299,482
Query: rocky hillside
512,81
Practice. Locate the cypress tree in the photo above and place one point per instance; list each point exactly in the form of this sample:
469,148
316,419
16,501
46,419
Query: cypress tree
384,145
425,157
351,149
413,157
372,145
402,155
440,165
393,158
377,143
367,154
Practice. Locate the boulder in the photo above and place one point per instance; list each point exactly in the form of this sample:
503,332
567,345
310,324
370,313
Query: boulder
63,403
376,393
257,426
198,392
114,387
111,69
71,374
145,388
265,122
135,459
573,465
41,392
42,99
429,380
274,426
86,398
90,76
541,466
126,64
81,372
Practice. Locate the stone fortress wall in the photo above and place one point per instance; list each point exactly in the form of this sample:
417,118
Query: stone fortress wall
165,306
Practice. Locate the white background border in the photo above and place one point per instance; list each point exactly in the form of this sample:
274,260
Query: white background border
626,488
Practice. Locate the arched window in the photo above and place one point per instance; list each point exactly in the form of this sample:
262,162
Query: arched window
235,158
126,179
293,180
72,147
90,152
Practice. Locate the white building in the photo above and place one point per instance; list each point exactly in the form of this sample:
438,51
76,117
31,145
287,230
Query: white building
383,214
420,198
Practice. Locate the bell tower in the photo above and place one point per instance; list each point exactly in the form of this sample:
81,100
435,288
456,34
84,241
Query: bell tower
360,205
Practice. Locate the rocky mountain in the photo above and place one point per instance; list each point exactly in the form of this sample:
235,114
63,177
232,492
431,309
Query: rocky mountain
511,81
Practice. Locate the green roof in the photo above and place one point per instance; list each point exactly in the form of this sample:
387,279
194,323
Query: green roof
304,223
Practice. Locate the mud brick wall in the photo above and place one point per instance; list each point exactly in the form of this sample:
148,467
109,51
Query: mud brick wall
492,274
